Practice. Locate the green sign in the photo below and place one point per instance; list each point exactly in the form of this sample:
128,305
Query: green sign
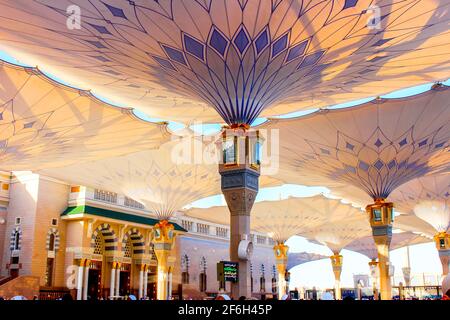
228,271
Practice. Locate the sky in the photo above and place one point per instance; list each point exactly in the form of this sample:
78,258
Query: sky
423,258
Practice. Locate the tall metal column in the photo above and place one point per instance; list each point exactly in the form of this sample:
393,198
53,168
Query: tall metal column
281,257
336,262
442,240
406,270
163,244
239,182
381,215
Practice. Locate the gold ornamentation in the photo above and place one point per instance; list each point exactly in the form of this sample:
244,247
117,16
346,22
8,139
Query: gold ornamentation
442,240
381,213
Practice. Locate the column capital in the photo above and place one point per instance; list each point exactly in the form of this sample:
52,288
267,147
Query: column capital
281,253
381,217
164,235
380,213
442,241
336,260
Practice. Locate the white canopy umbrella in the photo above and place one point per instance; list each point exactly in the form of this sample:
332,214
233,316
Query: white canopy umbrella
45,124
175,59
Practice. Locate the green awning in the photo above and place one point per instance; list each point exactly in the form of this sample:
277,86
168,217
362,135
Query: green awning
117,215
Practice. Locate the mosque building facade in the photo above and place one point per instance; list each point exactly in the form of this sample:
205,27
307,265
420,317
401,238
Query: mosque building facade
57,238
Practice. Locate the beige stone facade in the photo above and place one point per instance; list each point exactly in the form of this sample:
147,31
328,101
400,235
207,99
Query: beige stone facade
93,243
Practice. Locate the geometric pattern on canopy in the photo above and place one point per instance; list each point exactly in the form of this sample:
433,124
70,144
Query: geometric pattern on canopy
337,235
428,198
412,223
163,180
367,247
375,147
173,58
46,124
285,218
429,188
298,258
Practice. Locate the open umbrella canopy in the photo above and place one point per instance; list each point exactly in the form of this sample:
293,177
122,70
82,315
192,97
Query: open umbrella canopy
243,58
366,245
337,235
428,198
46,124
298,258
282,219
412,223
374,147
164,180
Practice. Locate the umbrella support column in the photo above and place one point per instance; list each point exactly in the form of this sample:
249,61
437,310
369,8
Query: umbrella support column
381,219
442,240
163,244
336,262
281,256
374,271
239,183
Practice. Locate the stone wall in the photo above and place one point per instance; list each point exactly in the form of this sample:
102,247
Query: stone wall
23,198
51,202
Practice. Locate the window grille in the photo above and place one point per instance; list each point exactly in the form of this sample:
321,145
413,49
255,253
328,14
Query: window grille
106,196
98,249
133,203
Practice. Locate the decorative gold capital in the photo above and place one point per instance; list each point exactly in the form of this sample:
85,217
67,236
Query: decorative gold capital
164,232
381,213
336,260
243,126
280,250
442,240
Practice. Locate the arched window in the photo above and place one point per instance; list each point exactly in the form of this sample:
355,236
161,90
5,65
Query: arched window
152,251
98,249
185,269
51,242
262,280
128,249
274,279
16,241
251,278
202,276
